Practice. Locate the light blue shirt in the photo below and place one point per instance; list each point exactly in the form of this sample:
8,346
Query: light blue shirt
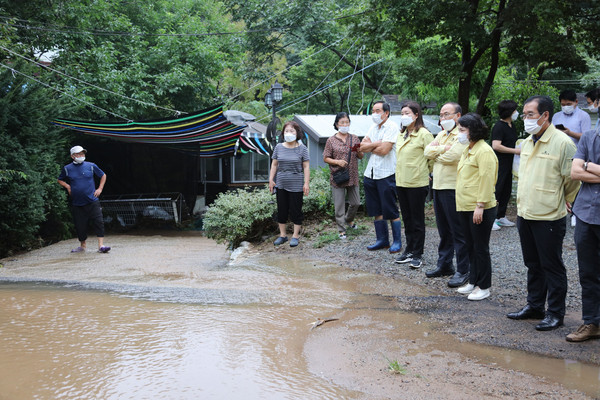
587,206
579,121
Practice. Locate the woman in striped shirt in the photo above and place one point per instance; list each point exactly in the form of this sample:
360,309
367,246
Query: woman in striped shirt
289,178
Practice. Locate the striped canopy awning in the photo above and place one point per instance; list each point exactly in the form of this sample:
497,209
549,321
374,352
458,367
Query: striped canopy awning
253,143
207,133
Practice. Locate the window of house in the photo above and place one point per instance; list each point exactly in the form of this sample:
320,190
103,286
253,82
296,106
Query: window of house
213,170
251,167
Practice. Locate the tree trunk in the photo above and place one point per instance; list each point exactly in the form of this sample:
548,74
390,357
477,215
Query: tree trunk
495,57
464,82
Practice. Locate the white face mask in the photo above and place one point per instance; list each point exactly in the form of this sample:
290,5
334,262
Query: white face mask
344,129
447,124
406,120
593,109
79,160
462,138
376,118
568,109
514,115
531,126
289,137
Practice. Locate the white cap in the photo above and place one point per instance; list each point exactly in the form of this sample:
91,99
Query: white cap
77,149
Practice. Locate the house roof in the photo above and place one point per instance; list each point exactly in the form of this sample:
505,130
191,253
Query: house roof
320,127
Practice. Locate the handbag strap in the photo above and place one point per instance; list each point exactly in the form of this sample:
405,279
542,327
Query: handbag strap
350,150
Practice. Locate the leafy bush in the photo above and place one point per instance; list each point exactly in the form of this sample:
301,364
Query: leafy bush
318,202
32,203
243,214
509,87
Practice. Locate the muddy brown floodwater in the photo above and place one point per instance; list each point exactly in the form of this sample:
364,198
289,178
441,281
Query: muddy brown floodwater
166,316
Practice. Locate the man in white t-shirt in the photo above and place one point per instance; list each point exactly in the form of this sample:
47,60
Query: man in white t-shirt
380,180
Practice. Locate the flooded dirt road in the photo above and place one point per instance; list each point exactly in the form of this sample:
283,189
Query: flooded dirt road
166,316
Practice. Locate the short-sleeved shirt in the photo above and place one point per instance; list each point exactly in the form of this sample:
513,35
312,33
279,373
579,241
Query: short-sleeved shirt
508,137
81,179
290,173
587,206
579,121
380,167
338,150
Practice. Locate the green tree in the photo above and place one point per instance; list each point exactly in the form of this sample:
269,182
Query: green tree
477,32
31,147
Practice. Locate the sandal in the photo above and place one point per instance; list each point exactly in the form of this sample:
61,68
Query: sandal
78,250
104,249
342,235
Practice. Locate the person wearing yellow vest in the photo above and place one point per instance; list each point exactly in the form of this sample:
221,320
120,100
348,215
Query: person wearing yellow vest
412,181
445,151
476,202
544,194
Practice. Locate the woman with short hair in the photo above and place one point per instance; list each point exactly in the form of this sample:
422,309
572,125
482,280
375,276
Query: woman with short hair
289,178
340,156
476,202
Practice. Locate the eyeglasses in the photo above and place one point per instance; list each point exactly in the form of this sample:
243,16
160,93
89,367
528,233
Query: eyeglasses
447,115
530,116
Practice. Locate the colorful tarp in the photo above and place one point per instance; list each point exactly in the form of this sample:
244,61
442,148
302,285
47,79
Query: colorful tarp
207,133
254,143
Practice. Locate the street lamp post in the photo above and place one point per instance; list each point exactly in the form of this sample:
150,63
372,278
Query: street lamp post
272,99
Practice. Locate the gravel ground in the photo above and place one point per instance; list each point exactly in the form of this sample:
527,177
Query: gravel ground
481,322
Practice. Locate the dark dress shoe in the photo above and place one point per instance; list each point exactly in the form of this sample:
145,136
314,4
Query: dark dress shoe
527,312
549,323
458,279
439,271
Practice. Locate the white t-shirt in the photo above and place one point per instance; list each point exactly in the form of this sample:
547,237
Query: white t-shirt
380,167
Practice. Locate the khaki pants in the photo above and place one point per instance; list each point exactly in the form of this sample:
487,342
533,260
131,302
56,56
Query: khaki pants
344,218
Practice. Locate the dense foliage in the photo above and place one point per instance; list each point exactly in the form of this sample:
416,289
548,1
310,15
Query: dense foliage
30,151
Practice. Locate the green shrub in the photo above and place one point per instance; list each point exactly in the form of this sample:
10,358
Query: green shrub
243,214
247,214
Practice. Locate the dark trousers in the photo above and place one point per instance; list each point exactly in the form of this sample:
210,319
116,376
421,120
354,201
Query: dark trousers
541,244
412,207
380,197
452,239
503,187
587,240
83,214
289,204
477,237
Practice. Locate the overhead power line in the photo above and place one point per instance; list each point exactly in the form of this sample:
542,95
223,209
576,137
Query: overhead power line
26,24
60,91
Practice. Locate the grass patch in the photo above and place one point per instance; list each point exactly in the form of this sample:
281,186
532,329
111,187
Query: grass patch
395,367
324,239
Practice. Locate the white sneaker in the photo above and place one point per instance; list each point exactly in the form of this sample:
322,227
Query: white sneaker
504,222
466,289
573,221
495,226
479,294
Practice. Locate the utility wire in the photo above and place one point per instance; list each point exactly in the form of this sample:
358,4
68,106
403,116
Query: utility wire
60,91
312,94
90,84
65,29
285,69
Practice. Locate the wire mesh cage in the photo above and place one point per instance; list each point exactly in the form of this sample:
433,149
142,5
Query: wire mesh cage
128,209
